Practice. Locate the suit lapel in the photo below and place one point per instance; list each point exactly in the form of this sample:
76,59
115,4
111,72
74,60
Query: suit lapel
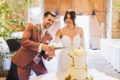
38,30
39,36
46,38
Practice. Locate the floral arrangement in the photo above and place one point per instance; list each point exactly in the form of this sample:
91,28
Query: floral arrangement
10,16
77,52
80,51
69,77
37,28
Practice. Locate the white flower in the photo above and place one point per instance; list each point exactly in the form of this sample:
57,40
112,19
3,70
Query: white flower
2,29
78,52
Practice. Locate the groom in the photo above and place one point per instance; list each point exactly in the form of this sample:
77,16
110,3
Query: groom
34,45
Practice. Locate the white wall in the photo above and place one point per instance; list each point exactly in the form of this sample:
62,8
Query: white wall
35,14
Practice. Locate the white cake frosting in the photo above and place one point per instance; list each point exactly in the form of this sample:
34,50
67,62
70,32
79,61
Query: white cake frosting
78,69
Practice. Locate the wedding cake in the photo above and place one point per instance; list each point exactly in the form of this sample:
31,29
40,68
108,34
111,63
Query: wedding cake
78,69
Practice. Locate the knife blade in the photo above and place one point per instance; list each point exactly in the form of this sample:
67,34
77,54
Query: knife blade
57,48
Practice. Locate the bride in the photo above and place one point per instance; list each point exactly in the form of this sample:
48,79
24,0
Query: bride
71,37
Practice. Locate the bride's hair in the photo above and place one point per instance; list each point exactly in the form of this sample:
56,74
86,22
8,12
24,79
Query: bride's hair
72,15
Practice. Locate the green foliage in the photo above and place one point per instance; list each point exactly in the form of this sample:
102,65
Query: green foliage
3,56
10,55
90,78
69,55
69,77
117,6
1,62
1,59
7,11
10,15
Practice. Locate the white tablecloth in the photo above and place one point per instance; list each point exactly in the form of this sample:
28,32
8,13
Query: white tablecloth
61,76
17,35
110,49
3,46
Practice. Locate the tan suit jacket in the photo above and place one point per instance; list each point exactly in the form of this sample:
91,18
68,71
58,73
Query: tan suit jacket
30,42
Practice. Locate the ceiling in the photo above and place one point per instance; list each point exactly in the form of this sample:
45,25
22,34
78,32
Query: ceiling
80,6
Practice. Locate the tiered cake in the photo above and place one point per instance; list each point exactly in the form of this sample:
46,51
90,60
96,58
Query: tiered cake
78,69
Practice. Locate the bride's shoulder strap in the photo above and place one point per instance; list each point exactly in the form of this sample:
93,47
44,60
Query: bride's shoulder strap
59,33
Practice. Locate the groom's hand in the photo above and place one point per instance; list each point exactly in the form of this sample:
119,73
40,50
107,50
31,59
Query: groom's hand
48,48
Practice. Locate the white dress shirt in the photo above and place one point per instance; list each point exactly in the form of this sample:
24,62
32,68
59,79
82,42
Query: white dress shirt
37,58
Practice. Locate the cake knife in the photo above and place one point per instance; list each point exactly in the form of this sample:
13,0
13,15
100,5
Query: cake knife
57,48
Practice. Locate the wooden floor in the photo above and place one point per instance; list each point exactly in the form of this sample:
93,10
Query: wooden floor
2,78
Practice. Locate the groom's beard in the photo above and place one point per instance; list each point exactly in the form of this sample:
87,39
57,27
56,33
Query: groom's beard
47,25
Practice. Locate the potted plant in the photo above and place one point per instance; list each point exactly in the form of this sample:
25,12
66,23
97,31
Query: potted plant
7,11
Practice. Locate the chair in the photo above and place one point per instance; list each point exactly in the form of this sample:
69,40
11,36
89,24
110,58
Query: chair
14,45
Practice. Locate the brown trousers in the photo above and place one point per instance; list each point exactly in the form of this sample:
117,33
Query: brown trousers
24,73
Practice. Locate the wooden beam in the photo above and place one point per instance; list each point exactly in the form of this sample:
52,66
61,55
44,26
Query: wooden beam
80,6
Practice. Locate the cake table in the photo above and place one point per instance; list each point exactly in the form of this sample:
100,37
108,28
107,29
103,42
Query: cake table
61,75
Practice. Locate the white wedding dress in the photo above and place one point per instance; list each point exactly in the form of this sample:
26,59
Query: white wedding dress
64,60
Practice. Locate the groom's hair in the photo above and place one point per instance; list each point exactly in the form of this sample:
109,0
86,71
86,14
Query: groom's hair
49,13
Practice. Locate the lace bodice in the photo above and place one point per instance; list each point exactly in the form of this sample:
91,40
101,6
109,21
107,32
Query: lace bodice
71,44
64,60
